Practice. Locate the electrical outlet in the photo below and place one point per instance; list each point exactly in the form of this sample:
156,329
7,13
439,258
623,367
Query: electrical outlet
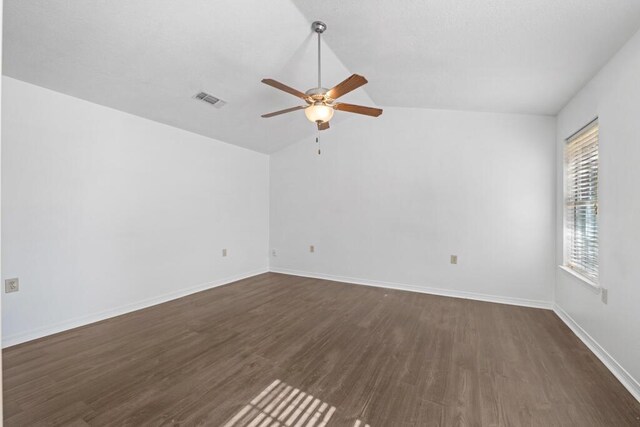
454,259
224,252
312,248
11,285
274,252
604,295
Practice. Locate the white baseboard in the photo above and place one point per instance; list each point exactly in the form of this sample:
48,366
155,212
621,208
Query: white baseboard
10,340
616,369
548,305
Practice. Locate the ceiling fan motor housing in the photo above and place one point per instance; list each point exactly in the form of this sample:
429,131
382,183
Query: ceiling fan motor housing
317,93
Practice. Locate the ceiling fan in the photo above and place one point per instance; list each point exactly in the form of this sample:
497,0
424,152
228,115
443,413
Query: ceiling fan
321,102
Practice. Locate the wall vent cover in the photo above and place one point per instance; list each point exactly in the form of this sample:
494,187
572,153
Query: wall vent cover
210,99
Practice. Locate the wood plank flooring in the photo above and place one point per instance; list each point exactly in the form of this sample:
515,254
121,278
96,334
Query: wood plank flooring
379,357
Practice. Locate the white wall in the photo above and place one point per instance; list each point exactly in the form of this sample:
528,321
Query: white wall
104,212
390,199
1,33
613,96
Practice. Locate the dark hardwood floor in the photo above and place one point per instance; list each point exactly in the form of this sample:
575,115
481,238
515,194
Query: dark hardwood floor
285,350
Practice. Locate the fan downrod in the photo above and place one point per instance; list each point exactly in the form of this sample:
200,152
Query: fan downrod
320,101
319,27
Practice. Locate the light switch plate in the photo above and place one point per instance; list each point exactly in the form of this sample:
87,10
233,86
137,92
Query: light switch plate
312,248
11,285
454,259
604,295
224,252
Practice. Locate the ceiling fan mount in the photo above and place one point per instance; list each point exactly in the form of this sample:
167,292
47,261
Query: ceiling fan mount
319,27
321,102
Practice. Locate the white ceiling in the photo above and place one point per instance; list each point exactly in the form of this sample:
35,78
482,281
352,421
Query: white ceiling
149,57
515,56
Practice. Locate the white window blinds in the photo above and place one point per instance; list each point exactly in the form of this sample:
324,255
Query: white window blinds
581,202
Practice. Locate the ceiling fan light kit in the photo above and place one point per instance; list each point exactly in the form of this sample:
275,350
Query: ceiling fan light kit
321,102
318,112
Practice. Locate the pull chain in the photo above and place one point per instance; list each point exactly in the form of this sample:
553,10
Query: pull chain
318,142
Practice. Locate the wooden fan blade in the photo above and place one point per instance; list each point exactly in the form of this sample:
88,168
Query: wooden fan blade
359,109
285,88
288,110
351,83
323,125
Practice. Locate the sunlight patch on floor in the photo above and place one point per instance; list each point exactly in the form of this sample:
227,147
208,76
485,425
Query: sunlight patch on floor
281,405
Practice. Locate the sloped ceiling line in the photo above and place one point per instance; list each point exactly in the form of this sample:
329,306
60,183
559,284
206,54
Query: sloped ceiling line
150,57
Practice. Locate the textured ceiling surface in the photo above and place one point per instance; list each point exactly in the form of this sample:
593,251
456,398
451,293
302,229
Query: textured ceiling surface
514,56
150,57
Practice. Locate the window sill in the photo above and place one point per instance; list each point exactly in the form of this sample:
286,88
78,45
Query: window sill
580,277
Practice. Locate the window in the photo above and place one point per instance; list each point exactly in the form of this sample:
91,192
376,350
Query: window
581,203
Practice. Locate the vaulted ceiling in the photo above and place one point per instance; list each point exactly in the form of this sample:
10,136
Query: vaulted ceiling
150,57
516,56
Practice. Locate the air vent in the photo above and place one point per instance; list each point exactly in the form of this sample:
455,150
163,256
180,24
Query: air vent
210,99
